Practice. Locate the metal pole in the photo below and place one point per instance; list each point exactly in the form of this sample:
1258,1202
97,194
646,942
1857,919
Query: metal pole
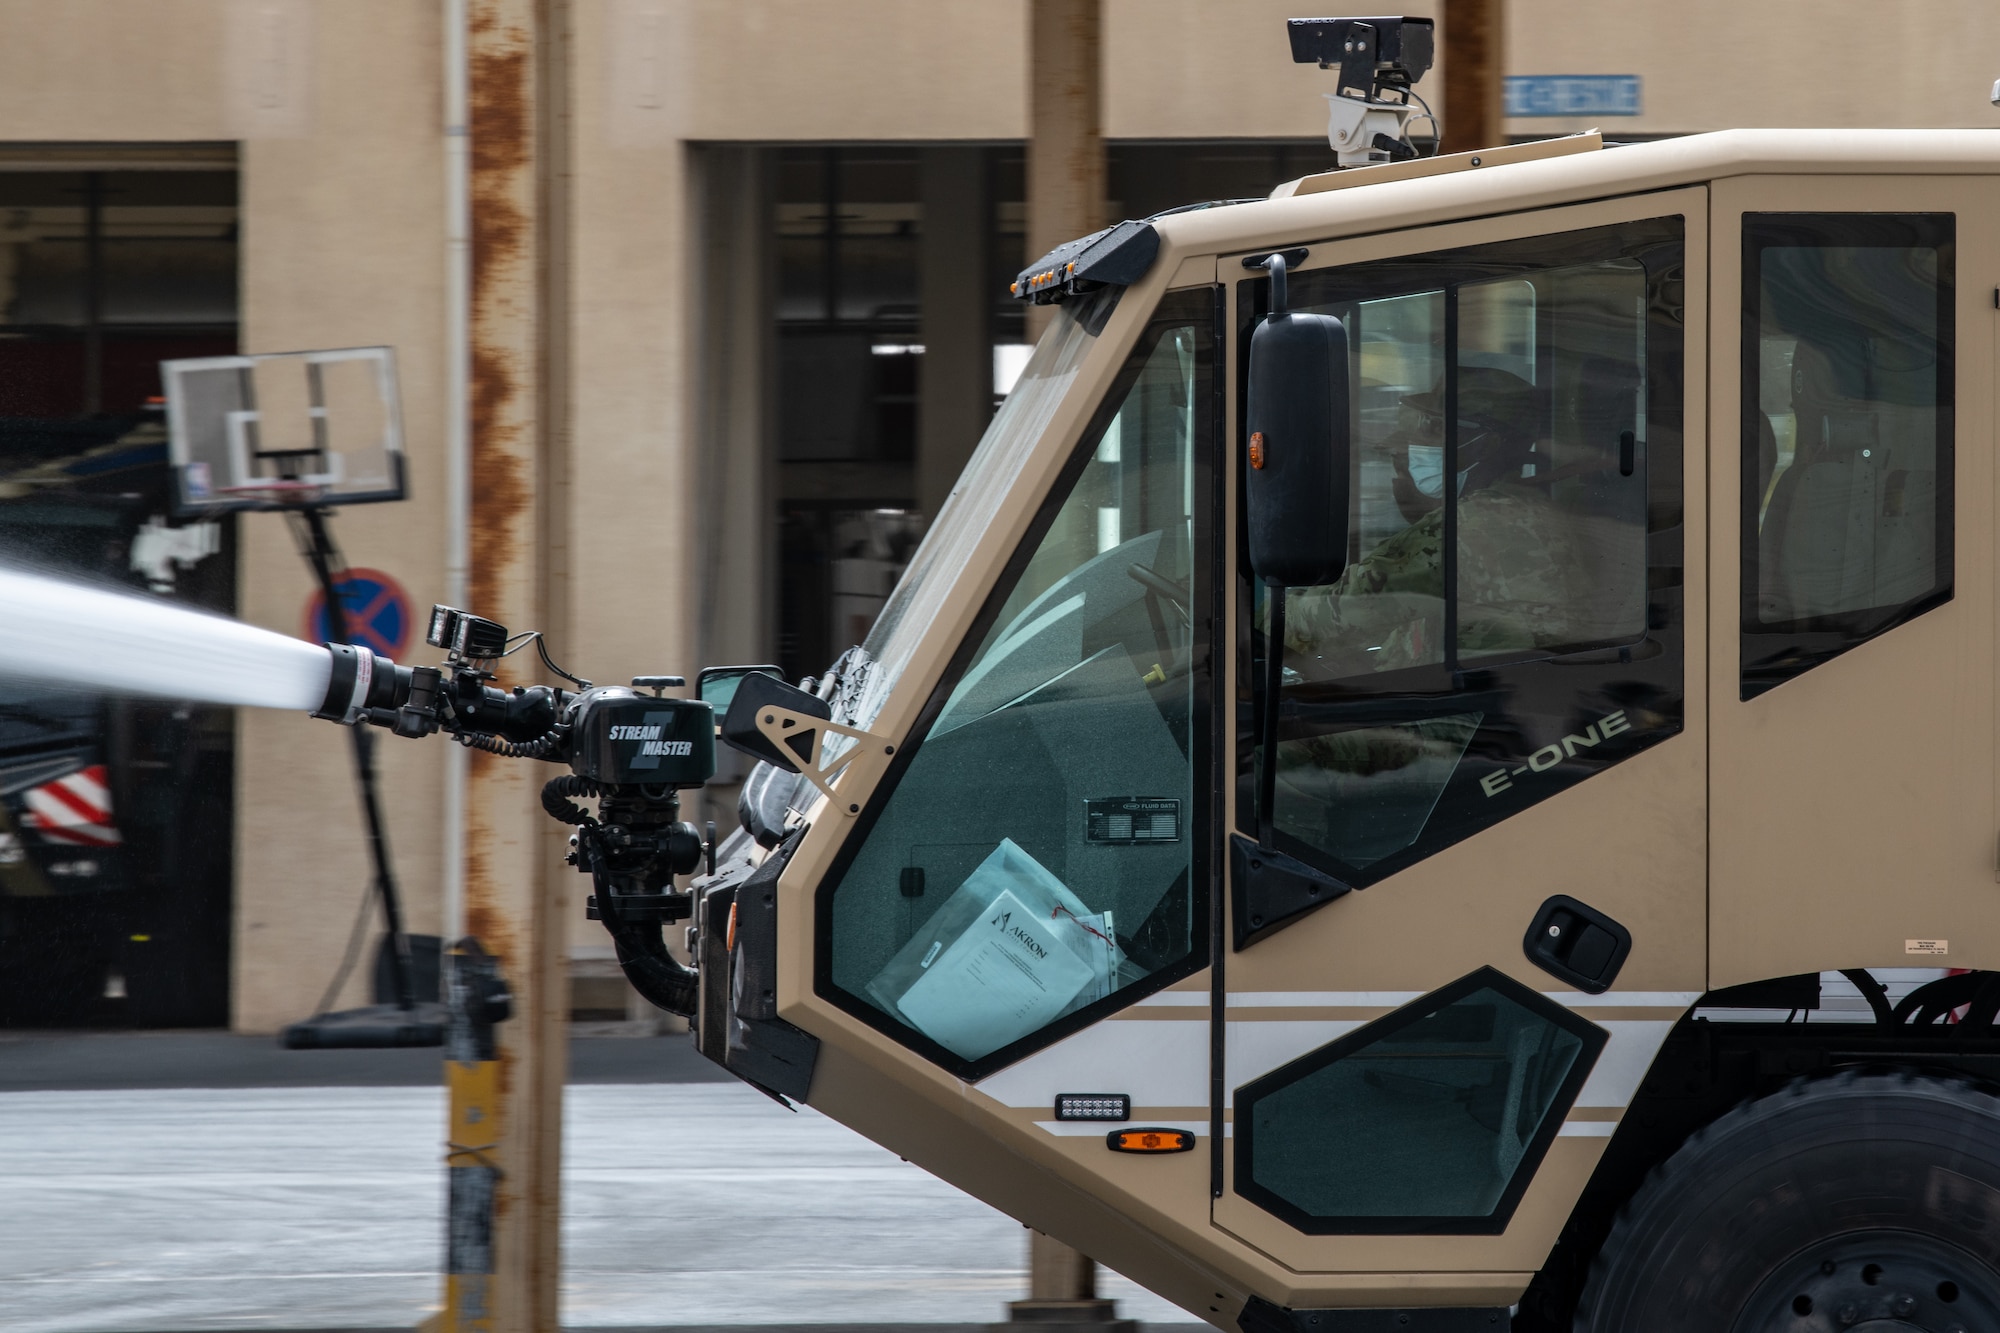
325,557
1475,66
1066,179
1065,130
457,441
512,901
1062,1290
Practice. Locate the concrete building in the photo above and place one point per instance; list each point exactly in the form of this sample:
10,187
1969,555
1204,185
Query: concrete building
784,229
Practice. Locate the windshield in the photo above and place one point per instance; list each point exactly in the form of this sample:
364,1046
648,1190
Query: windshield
995,467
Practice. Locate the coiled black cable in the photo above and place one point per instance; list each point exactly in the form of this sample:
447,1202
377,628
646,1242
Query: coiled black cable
544,745
557,791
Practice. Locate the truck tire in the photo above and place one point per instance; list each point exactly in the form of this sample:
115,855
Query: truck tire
1863,1203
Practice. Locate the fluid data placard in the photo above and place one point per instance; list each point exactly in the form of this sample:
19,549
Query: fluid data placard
1123,820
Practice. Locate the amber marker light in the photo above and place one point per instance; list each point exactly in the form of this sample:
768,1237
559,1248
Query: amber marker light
1149,1140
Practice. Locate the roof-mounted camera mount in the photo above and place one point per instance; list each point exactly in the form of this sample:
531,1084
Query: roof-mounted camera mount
1379,60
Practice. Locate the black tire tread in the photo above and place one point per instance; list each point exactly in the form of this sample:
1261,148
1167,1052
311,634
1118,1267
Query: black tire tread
1697,1172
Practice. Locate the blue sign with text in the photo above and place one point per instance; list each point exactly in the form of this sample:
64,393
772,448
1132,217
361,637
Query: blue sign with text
1573,95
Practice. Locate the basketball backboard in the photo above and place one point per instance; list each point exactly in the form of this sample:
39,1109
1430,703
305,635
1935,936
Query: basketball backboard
279,430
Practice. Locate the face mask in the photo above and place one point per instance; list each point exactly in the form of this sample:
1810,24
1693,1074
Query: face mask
1426,463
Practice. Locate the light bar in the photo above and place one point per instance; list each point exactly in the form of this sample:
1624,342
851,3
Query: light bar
1093,1106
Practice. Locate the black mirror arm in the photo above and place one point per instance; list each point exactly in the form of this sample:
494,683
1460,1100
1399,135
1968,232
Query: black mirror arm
1280,294
1270,889
1274,681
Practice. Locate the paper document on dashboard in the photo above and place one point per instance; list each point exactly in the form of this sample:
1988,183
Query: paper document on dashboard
1006,975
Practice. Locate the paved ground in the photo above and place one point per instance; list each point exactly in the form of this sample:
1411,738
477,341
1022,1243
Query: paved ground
79,1061
252,1200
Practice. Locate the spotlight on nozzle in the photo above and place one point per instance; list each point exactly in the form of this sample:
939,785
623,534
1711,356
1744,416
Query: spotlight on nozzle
466,635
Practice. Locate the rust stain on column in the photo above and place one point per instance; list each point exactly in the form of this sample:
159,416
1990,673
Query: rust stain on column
502,152
501,851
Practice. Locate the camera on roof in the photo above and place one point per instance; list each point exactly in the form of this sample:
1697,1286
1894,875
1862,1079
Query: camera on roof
1372,54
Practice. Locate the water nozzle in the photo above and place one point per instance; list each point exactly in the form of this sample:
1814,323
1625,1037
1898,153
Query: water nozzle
359,682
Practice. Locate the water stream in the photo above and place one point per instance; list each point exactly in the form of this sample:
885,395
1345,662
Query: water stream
86,638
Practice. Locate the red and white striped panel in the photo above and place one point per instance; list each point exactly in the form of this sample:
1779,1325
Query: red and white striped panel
74,811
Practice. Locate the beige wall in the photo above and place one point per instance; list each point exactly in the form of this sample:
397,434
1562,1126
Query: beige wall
343,244
1777,64
632,480
336,104
337,108
1194,69
805,69
109,69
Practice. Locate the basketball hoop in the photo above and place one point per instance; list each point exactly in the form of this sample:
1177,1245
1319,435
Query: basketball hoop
284,430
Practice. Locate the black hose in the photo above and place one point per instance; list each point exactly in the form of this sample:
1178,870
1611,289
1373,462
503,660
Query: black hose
1874,992
1984,1006
660,978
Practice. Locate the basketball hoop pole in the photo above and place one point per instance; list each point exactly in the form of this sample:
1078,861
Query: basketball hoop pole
324,556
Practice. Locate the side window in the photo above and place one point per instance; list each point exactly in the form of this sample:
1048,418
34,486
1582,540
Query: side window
1032,865
1431,1119
1509,621
1847,432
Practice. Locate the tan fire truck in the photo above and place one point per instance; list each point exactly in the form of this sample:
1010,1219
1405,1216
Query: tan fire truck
1438,769
1588,810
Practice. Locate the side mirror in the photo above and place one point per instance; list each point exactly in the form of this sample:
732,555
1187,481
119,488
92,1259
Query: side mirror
1297,482
716,686
756,691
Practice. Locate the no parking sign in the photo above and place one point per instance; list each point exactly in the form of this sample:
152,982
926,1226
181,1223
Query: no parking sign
375,606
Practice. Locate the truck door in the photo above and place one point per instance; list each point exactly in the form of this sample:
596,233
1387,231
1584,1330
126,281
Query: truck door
1852,612
1493,721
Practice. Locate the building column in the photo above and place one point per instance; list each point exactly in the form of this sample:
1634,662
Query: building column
1066,182
736,542
956,389
517,52
1475,64
1065,129
1062,1290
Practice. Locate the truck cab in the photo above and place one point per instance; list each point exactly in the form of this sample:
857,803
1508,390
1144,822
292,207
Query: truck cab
1621,807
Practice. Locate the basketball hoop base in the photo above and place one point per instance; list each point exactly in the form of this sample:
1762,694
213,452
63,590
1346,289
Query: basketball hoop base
371,1028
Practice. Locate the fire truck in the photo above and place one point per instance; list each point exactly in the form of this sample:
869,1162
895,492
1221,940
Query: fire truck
1437,770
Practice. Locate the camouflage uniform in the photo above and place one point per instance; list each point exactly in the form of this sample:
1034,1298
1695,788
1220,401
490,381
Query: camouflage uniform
1518,581
1517,585
1520,568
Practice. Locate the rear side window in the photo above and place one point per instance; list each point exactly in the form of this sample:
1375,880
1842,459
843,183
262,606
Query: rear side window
1847,432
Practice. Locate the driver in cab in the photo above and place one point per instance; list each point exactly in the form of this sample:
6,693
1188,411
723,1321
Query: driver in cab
1519,564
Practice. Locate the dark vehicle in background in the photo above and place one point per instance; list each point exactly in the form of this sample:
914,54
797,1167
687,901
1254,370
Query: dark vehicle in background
115,814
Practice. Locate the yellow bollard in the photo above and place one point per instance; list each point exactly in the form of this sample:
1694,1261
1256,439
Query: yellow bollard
477,999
